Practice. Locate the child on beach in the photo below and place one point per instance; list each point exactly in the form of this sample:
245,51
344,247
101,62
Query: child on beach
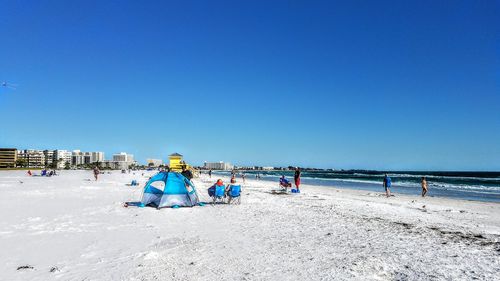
424,186
30,173
387,185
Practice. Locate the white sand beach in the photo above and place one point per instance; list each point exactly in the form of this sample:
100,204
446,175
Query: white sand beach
69,227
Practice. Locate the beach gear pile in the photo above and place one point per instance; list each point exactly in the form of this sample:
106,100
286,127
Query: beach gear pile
178,191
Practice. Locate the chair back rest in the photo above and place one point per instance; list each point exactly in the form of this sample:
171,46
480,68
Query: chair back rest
235,190
219,190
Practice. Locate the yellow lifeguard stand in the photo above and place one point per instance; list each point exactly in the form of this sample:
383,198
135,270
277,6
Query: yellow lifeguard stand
176,162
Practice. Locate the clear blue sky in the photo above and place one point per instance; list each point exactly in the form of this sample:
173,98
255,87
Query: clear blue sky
340,84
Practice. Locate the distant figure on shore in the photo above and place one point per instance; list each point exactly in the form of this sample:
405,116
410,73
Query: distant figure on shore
30,173
424,186
387,185
96,172
210,173
296,179
243,177
233,178
186,173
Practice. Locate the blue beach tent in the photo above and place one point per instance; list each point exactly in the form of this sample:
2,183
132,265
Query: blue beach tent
178,191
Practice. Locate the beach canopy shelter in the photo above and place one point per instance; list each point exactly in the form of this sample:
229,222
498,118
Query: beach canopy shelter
177,191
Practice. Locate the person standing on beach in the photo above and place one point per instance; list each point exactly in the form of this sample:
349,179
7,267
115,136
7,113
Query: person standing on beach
243,177
296,178
210,173
387,185
96,172
424,186
186,173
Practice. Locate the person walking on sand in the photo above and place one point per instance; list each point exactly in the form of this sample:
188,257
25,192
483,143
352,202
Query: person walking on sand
210,173
296,178
96,172
424,186
387,185
243,177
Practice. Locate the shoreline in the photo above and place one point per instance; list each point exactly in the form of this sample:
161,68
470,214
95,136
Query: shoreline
412,201
376,187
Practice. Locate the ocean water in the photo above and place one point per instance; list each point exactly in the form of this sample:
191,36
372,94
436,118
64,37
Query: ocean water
480,186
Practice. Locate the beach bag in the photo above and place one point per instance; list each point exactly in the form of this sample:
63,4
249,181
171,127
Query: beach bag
211,191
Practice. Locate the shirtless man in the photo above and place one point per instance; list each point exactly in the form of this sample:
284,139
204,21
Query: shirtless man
424,186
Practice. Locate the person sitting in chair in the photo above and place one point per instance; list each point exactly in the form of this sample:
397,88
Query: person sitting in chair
234,193
211,190
284,183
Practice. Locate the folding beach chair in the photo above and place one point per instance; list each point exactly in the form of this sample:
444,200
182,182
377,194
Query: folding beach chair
284,184
234,194
220,194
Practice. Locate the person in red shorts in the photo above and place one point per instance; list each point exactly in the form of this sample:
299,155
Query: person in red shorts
296,178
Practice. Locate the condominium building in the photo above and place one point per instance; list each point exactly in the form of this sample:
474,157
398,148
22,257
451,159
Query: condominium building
8,157
33,158
122,156
121,161
218,166
80,158
62,157
96,156
49,157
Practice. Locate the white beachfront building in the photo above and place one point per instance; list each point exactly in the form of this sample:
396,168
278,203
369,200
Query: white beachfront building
120,161
62,157
218,166
78,157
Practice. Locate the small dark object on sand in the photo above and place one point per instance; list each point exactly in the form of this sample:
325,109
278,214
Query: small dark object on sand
25,267
192,263
54,269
